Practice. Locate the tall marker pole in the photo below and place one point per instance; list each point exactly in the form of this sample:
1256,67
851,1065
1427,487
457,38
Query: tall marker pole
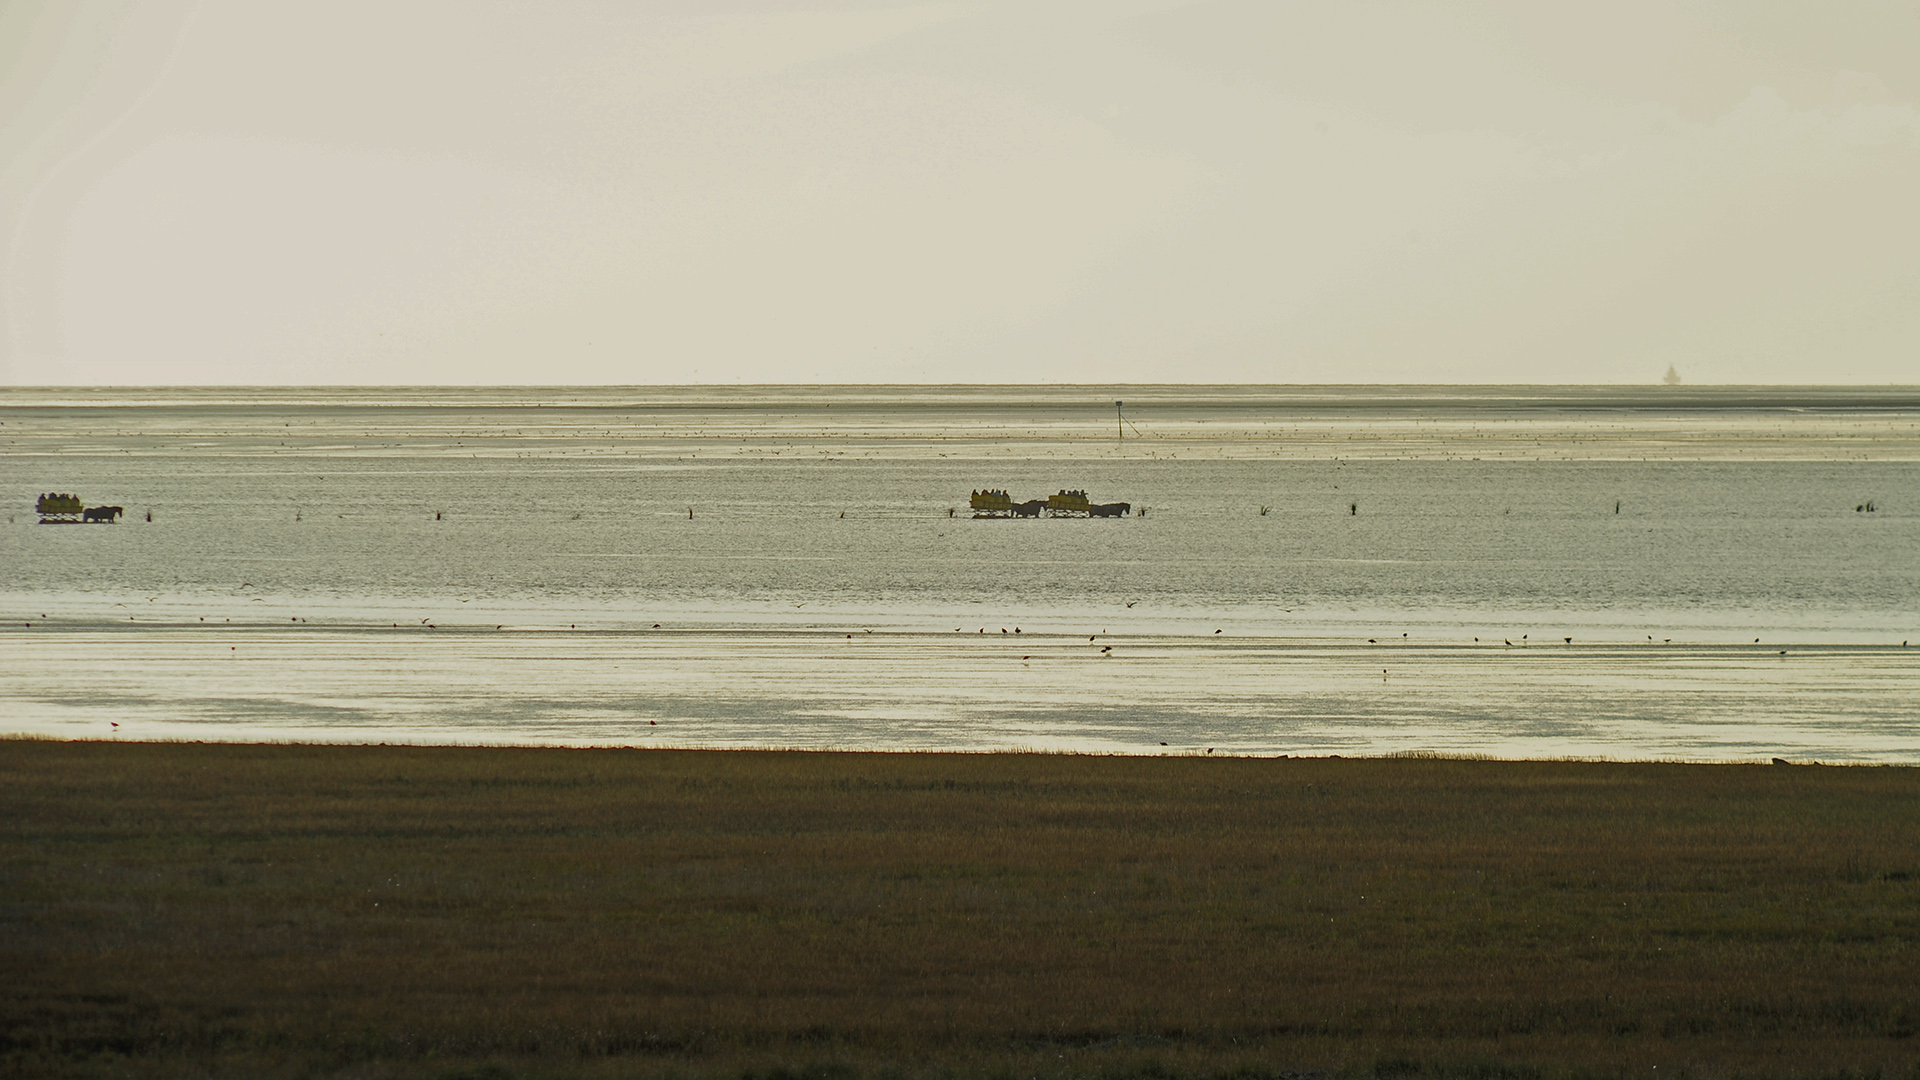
1119,425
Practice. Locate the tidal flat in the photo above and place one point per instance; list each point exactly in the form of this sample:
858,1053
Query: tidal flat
1707,574
176,909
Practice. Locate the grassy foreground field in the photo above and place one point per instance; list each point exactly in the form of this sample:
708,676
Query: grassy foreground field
199,910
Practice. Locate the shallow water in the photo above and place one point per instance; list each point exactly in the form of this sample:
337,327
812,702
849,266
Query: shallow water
1311,574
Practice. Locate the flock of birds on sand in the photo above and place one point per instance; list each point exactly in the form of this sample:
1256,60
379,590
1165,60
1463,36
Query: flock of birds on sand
1105,650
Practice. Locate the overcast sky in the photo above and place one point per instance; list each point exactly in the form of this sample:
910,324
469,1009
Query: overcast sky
451,191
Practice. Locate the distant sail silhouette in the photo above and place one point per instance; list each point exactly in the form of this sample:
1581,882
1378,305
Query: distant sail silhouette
1672,377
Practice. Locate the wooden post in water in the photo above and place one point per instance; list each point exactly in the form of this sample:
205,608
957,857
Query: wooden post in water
1119,424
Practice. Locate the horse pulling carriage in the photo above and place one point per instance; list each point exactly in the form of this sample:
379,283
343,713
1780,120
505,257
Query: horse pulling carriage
65,509
997,503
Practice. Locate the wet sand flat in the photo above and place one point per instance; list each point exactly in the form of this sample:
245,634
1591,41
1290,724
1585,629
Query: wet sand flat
967,691
1306,569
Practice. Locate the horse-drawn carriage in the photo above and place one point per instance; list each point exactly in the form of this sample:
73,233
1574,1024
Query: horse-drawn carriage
64,509
996,503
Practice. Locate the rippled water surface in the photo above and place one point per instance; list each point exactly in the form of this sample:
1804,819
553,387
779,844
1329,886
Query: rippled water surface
1351,570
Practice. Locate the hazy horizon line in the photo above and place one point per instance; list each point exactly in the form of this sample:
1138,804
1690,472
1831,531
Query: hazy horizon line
1678,388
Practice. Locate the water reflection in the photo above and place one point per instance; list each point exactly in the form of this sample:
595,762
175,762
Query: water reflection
1120,693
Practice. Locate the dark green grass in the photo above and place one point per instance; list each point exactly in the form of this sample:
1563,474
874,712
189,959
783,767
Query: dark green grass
189,910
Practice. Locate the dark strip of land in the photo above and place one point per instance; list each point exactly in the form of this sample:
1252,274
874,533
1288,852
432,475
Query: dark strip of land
175,909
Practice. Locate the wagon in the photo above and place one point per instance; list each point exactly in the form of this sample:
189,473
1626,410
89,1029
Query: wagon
996,503
64,509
